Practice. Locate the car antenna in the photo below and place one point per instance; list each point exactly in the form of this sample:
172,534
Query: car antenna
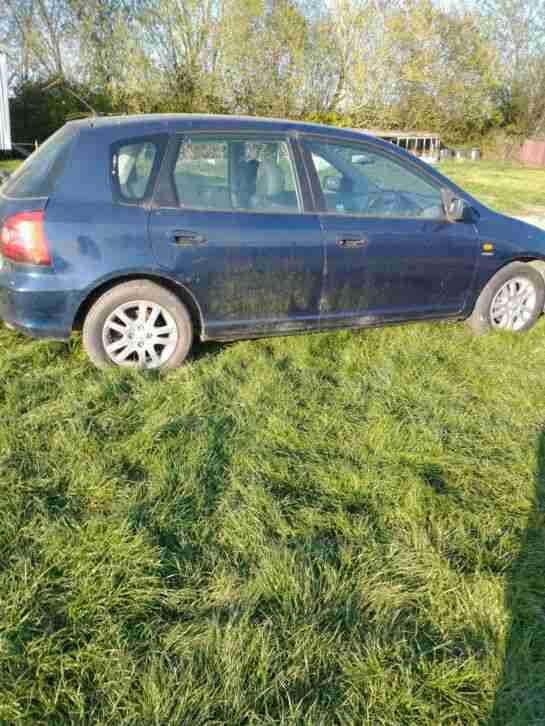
61,81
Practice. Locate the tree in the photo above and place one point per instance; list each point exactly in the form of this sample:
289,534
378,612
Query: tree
262,56
517,27
36,111
183,41
444,70
38,32
372,63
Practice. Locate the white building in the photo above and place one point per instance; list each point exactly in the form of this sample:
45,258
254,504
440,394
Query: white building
5,128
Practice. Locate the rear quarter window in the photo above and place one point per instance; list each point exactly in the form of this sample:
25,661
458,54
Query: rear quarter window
135,164
39,174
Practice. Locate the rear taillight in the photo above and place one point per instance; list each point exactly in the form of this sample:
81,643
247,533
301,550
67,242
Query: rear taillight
22,239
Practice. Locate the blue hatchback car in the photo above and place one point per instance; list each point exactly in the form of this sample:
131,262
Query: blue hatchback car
148,232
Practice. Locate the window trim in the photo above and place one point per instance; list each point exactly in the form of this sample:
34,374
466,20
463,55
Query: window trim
161,142
366,146
166,191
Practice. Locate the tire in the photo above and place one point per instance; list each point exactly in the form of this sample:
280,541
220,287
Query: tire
504,290
138,324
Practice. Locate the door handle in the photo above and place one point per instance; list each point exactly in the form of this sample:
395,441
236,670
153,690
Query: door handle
350,242
185,238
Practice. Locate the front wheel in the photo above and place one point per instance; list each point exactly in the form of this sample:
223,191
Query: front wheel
138,324
512,300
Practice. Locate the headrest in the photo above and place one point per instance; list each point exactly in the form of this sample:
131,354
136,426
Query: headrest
270,179
245,178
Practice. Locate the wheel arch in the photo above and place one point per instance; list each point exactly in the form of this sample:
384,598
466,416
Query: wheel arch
535,262
538,263
181,292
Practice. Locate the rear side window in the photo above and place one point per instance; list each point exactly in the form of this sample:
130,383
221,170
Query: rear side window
235,174
135,164
38,175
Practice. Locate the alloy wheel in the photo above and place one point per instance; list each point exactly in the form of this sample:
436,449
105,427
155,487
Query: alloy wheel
140,334
514,304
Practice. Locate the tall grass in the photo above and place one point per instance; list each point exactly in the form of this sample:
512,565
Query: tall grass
334,529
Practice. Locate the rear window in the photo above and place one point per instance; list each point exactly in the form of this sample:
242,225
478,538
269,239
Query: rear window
38,175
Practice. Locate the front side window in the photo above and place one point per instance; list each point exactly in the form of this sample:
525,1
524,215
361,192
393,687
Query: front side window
135,164
235,174
357,180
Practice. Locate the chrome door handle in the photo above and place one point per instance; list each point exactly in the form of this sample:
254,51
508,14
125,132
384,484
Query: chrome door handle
351,242
185,238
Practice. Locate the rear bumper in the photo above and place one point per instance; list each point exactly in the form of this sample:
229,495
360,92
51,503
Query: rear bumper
35,306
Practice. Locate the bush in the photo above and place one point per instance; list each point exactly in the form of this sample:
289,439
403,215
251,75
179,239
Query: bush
37,112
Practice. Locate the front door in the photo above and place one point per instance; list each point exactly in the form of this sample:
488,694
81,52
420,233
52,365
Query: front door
229,225
390,252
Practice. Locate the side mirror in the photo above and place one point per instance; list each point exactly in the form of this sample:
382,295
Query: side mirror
457,209
332,183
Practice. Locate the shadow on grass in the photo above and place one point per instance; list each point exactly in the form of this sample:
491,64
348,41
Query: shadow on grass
208,348
520,695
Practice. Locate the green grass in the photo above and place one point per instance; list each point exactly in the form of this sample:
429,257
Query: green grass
9,165
506,187
334,529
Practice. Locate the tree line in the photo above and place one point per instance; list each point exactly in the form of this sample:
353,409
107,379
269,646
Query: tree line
455,68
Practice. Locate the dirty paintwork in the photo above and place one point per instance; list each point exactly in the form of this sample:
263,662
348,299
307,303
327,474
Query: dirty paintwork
248,273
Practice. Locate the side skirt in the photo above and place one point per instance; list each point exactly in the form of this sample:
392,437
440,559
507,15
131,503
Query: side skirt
288,329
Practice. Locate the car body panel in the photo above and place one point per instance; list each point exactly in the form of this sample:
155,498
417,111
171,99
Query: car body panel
405,268
253,272
512,239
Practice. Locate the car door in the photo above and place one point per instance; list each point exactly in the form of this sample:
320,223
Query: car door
229,223
391,254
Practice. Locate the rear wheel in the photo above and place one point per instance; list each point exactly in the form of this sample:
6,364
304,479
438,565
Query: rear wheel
138,324
512,300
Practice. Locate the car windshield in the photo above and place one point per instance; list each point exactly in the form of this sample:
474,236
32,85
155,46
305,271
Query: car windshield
37,176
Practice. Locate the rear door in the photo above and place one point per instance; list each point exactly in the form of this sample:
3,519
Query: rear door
232,223
390,252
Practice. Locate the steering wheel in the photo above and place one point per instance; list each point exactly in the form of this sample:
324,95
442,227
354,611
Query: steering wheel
391,203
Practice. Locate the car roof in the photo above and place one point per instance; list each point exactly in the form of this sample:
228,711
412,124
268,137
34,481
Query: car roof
211,122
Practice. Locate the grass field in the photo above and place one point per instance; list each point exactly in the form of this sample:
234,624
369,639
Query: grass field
337,529
503,186
9,165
